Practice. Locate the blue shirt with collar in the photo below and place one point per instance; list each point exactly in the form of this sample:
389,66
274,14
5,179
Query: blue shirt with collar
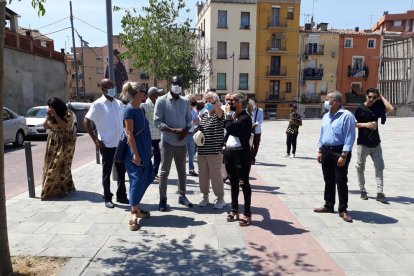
338,129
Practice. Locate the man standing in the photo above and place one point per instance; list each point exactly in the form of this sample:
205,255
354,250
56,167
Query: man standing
335,146
107,115
148,106
257,118
190,140
295,121
369,142
172,115
120,72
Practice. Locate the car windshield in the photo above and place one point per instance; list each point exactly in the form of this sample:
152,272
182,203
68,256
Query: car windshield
36,112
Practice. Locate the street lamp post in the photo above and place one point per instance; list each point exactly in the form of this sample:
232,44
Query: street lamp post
110,41
232,75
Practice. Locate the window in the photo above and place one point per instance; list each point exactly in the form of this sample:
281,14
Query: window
221,50
276,42
99,71
275,66
243,81
99,58
288,87
245,20
274,21
348,42
244,50
222,19
221,81
397,23
274,90
356,87
371,43
290,13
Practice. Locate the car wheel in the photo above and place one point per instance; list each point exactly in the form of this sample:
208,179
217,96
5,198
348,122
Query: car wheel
75,130
19,139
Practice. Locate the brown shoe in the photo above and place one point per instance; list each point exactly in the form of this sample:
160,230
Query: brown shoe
345,216
323,209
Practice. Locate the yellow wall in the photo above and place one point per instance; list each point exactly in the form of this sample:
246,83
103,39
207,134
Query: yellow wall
289,58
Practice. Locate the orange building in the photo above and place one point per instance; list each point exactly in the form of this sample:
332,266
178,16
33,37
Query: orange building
399,22
358,64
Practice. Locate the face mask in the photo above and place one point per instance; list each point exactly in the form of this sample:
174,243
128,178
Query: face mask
232,108
193,103
327,105
111,92
176,89
210,107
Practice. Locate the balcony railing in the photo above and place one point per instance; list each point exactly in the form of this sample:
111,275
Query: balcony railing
281,71
358,73
271,96
312,74
319,50
273,22
275,47
311,98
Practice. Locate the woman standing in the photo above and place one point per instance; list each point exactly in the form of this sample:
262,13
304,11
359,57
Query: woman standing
237,155
60,147
209,155
138,159
292,131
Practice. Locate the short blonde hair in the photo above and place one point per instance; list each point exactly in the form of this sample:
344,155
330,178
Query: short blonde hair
130,89
213,95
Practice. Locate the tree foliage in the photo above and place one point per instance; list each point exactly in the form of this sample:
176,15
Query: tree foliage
157,43
37,4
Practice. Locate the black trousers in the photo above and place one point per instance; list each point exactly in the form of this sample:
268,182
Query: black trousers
334,175
157,155
238,167
291,142
107,162
255,147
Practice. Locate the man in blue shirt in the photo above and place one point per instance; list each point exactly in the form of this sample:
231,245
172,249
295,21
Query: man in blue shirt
335,145
172,115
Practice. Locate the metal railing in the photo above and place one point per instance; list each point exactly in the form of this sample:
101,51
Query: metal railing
281,71
312,74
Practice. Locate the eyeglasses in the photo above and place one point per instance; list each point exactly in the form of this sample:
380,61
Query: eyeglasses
372,97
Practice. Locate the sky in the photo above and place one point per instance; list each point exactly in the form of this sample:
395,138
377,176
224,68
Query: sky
90,16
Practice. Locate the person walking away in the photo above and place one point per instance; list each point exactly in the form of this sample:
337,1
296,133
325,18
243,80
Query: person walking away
120,72
107,115
257,118
149,106
292,131
237,155
137,159
60,146
335,145
172,115
369,142
210,155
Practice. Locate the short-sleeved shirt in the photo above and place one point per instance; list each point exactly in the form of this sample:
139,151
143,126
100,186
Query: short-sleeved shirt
107,116
367,137
293,128
148,106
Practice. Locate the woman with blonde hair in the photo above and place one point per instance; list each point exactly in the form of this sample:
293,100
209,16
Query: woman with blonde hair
210,153
137,159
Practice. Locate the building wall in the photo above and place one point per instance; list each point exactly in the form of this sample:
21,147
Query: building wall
371,60
30,80
288,58
233,35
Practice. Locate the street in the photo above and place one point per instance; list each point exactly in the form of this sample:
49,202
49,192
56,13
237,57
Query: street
15,162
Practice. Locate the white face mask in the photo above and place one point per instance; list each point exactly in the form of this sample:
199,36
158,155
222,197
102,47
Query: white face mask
111,92
327,105
175,88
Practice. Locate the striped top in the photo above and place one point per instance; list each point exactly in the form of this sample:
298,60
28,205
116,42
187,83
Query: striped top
213,130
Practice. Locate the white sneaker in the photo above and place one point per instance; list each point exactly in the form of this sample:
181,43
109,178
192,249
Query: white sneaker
204,202
292,155
220,203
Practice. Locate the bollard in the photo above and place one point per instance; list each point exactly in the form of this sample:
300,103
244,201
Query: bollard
29,168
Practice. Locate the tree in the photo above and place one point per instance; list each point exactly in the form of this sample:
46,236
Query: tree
157,43
5,261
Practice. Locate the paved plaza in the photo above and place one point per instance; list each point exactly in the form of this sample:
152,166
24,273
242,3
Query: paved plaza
286,237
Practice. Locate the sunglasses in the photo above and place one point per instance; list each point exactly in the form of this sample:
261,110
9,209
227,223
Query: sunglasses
372,97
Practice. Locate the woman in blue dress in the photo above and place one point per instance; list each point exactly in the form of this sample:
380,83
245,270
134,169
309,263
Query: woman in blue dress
138,159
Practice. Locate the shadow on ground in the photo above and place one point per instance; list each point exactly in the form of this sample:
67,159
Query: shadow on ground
371,217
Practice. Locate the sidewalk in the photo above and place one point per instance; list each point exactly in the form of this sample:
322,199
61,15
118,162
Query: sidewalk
286,236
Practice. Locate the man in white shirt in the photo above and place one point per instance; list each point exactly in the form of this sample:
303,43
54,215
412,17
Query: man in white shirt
257,120
107,115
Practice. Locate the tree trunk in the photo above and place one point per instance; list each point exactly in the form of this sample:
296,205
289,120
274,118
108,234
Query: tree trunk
5,261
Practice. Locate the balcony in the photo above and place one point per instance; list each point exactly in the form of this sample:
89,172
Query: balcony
272,97
318,50
354,98
312,74
353,72
273,46
310,98
281,71
274,22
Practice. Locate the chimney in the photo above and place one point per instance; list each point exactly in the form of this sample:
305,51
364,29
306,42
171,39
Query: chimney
62,50
323,26
385,12
356,29
308,26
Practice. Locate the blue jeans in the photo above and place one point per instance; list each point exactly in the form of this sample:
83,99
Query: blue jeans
190,150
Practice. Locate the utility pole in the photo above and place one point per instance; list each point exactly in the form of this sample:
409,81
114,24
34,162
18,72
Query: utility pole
74,53
83,70
232,76
110,41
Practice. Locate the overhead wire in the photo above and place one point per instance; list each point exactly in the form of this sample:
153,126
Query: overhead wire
89,24
40,35
52,23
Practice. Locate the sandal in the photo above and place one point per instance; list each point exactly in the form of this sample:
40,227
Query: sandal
143,214
133,223
246,220
234,215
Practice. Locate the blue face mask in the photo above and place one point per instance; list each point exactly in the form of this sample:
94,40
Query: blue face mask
327,105
209,107
111,92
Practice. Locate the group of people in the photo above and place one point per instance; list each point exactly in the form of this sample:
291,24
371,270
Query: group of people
160,127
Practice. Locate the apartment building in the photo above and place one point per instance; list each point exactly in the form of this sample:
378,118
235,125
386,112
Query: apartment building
228,45
398,22
277,54
359,58
318,67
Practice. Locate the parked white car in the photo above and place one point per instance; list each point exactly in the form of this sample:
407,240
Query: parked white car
35,117
14,128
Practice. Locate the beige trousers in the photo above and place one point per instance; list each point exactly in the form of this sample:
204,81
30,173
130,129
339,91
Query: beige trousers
209,168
